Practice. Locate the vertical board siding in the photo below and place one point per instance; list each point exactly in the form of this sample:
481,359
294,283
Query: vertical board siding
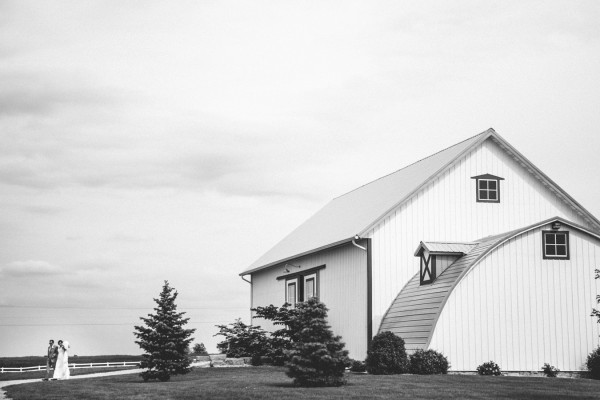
446,210
522,311
342,287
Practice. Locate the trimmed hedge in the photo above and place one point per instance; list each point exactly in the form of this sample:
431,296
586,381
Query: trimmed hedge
387,355
357,366
593,364
489,368
428,362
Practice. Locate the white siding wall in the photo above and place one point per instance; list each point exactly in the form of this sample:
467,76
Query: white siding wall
522,311
446,210
342,287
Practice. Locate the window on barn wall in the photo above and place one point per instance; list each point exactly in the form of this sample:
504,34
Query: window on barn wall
556,245
310,286
301,285
291,291
487,188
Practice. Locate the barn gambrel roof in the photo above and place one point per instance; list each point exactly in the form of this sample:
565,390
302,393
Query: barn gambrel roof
414,313
356,212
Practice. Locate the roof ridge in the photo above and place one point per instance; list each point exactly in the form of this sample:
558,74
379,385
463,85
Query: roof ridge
416,162
449,242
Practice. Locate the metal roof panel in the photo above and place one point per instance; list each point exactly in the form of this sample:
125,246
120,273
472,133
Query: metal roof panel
347,215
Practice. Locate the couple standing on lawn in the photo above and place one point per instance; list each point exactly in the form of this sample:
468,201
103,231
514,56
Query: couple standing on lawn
58,358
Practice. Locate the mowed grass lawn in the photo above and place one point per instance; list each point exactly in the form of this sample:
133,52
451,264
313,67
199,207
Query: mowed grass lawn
272,383
14,376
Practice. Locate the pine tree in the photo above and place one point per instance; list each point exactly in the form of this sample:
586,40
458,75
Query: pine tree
164,339
317,357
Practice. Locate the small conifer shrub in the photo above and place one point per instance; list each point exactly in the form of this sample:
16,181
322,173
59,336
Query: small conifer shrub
317,357
593,364
428,362
550,371
387,355
489,368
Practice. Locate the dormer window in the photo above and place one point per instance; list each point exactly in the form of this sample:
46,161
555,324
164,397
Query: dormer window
435,257
427,271
487,188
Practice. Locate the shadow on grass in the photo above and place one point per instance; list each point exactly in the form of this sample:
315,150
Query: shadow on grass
286,385
291,385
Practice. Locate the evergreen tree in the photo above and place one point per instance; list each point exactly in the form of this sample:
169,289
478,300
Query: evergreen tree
281,340
164,339
317,357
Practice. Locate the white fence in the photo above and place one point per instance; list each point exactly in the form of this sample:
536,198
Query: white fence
86,365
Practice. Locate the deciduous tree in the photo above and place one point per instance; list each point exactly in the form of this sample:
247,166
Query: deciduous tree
199,349
595,312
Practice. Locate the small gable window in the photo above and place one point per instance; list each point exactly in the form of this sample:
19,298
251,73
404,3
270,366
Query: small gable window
487,188
556,245
436,257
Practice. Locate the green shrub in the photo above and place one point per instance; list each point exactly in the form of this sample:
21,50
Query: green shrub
317,357
550,371
387,355
357,366
593,364
243,340
280,341
489,368
428,362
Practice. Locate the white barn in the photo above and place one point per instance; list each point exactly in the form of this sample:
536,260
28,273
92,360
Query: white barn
472,251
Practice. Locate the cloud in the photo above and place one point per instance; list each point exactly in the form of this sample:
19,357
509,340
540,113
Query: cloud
124,238
209,155
30,269
36,282
43,92
43,209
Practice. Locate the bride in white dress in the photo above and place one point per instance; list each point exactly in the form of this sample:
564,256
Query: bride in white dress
61,370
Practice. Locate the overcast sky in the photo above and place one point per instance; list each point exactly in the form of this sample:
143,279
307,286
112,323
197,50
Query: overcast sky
150,140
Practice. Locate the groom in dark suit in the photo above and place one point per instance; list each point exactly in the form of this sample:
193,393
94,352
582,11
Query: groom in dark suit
51,360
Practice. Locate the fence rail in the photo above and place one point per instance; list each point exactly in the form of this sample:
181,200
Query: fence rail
75,366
